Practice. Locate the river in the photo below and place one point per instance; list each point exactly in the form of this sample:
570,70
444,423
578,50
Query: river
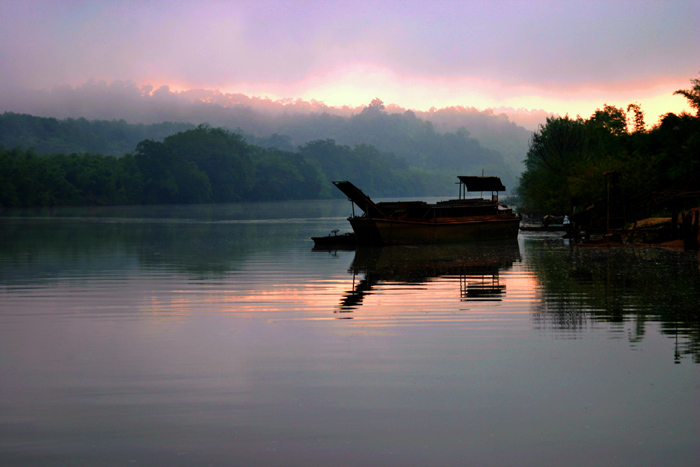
215,335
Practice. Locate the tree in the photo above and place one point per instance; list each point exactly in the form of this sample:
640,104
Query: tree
560,152
169,177
568,159
223,156
558,145
285,175
639,126
692,94
611,119
376,106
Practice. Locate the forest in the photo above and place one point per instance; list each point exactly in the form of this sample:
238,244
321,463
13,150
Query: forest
46,161
202,165
566,165
297,120
75,161
79,135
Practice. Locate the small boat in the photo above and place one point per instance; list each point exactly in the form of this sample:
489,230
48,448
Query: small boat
333,241
550,224
546,228
418,222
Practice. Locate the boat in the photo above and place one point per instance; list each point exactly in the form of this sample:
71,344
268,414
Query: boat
418,222
333,241
549,224
546,228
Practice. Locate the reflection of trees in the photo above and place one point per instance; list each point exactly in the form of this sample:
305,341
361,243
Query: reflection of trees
476,266
197,240
48,248
619,285
199,248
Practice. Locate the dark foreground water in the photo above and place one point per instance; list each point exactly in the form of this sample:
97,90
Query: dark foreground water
214,335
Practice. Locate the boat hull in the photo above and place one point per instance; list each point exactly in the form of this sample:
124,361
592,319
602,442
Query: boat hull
346,241
387,231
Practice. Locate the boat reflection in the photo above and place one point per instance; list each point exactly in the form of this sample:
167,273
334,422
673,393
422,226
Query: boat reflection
476,266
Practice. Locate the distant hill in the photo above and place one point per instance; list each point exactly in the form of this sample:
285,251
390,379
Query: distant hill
283,123
401,136
70,135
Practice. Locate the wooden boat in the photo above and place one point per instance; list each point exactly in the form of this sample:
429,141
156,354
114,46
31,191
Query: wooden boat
333,241
418,222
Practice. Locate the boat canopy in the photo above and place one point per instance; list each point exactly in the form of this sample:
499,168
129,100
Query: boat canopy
482,183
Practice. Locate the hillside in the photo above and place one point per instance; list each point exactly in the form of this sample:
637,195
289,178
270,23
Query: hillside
283,123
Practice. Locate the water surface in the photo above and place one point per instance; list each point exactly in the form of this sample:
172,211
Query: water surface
214,335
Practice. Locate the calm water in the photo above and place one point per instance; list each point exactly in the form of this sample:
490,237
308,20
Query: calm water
214,335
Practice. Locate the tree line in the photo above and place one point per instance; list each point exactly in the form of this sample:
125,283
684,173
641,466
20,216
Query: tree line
452,149
202,165
498,149
568,158
45,161
297,120
79,135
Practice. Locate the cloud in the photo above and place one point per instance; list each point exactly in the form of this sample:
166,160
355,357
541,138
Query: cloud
493,53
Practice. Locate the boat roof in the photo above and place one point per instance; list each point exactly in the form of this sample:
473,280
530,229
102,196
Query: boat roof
482,183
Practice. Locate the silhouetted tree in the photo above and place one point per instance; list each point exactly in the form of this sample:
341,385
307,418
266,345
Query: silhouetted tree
375,106
692,94
611,118
638,119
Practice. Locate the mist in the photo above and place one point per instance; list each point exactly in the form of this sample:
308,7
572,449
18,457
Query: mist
260,118
145,104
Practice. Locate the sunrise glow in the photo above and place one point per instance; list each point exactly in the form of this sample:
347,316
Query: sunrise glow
357,84
541,56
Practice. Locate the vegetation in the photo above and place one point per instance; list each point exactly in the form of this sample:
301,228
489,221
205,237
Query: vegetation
201,165
78,135
46,161
291,122
491,143
413,139
568,158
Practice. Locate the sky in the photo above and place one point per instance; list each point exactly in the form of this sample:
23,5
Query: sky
564,57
